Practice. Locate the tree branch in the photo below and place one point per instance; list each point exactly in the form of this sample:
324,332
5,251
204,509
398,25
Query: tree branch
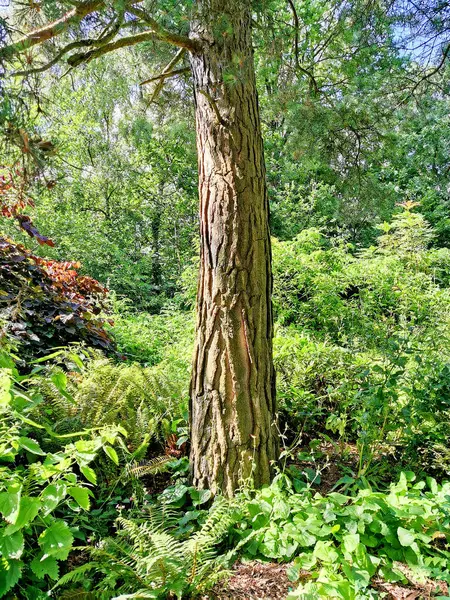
131,40
51,30
65,50
103,39
438,67
165,35
166,75
213,105
75,15
296,27
166,72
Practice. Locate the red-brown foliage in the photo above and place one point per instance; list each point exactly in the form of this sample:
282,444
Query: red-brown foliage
46,303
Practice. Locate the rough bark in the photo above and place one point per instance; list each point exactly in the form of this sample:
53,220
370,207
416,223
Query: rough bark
232,390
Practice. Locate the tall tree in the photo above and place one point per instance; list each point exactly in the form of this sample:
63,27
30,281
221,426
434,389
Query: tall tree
232,391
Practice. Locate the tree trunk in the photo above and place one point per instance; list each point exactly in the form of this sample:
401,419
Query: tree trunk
233,433
156,259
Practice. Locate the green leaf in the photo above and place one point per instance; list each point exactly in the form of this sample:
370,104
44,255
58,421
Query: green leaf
52,496
112,454
57,540
350,542
326,552
432,484
365,561
392,575
28,509
200,496
30,446
81,495
89,474
305,561
10,571
59,380
11,546
5,386
357,576
305,539
48,357
406,537
45,566
77,360
9,504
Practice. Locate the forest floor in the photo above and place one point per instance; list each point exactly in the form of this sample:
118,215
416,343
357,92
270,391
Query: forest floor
268,581
255,580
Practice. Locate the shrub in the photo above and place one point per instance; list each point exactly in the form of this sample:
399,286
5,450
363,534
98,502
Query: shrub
45,304
146,338
42,494
362,342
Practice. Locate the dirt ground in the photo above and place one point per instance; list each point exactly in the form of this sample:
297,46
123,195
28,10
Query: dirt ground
268,581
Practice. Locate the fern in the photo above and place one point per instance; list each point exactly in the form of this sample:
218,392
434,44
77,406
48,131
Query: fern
142,399
77,575
78,595
146,560
160,464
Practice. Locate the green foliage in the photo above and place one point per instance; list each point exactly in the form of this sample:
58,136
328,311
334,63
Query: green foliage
343,541
145,401
42,494
362,349
149,339
125,201
139,398
146,559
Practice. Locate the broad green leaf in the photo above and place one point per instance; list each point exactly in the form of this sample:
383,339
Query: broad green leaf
77,360
56,540
406,537
59,380
52,496
28,509
432,484
31,446
365,561
392,575
359,577
81,495
11,546
305,561
5,386
112,454
350,542
200,496
89,474
10,571
9,504
45,566
326,552
300,535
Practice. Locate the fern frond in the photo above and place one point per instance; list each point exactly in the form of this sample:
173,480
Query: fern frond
161,517
146,556
160,464
138,594
79,595
77,575
220,518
